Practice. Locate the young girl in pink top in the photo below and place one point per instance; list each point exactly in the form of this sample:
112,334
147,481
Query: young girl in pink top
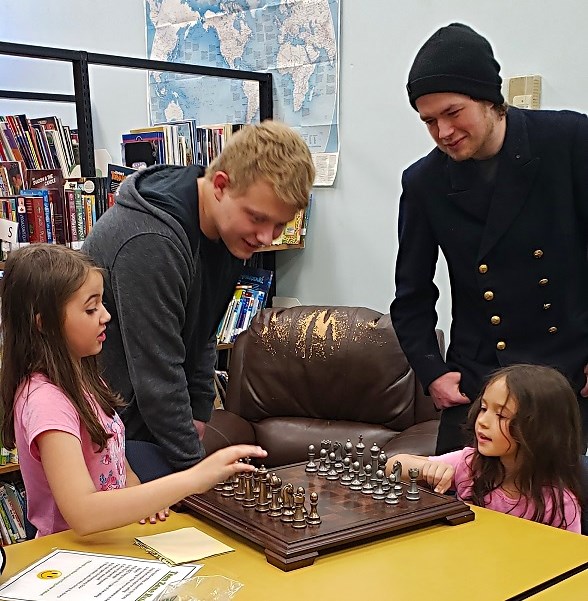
525,459
60,413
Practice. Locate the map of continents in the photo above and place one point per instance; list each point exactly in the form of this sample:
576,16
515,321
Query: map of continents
295,40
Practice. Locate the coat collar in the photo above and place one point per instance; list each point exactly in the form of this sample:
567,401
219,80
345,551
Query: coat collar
516,172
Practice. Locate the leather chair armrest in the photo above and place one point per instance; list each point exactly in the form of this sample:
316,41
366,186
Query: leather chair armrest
225,429
419,439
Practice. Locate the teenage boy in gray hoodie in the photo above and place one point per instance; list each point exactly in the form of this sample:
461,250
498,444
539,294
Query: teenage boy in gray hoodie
172,248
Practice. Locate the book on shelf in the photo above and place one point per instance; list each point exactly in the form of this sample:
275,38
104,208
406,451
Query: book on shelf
180,142
249,297
295,230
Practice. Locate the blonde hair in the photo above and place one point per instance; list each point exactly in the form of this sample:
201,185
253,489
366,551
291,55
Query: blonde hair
269,151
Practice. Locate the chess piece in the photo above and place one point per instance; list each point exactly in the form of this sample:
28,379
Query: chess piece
338,463
397,469
412,492
263,501
332,472
313,518
275,509
382,459
374,452
298,519
359,450
348,449
368,486
249,497
346,477
322,469
379,494
355,482
228,489
287,503
391,498
240,490
311,466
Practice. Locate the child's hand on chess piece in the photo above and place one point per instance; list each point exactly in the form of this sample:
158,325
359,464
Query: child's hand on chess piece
223,464
438,476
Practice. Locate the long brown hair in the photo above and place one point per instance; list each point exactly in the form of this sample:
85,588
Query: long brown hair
37,284
546,427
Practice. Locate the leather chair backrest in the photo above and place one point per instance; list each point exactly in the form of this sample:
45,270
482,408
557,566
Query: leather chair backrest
329,363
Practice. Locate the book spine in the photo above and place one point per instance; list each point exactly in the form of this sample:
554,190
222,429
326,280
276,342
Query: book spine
70,208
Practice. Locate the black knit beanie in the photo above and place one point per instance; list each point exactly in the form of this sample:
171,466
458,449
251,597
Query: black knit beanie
455,59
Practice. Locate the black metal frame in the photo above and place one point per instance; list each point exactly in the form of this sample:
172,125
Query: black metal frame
81,60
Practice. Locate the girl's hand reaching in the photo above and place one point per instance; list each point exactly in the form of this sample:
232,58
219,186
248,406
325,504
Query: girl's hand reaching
437,475
222,464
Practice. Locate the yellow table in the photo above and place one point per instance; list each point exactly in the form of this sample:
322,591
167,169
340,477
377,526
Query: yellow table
575,587
492,558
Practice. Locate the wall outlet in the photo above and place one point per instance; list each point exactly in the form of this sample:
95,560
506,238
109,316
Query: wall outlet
525,91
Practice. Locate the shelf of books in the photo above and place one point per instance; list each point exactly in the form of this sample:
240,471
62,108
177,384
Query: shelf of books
47,204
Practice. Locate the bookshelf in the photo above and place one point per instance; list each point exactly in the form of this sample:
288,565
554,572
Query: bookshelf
81,61
8,468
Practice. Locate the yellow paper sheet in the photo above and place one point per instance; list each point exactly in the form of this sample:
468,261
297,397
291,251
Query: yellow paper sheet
181,546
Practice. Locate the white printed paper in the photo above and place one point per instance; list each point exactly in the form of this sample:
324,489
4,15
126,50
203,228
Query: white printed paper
74,575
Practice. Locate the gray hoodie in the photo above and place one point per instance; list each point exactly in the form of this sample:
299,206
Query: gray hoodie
166,287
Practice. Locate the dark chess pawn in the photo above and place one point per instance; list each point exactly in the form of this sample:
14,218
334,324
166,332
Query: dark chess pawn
391,497
299,518
368,485
322,469
332,472
311,466
313,518
379,494
412,492
275,509
287,503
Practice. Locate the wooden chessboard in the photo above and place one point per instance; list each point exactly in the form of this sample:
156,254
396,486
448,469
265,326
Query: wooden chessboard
348,517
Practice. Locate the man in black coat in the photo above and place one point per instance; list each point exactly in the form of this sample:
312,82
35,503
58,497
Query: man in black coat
505,197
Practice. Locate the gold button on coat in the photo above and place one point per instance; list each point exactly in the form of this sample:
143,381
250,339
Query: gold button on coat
501,345
543,282
547,306
552,330
495,320
488,295
483,268
538,253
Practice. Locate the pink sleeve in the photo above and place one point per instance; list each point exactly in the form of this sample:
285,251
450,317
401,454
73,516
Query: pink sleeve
47,408
572,513
455,458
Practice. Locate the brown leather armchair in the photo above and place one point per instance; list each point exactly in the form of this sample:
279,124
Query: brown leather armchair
304,374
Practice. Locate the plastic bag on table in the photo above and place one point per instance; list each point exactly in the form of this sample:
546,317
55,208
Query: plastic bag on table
201,588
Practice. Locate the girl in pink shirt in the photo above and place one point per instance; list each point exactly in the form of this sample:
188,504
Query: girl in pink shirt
525,459
60,414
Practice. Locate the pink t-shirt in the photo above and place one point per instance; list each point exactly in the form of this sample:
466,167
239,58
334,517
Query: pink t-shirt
498,500
41,406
